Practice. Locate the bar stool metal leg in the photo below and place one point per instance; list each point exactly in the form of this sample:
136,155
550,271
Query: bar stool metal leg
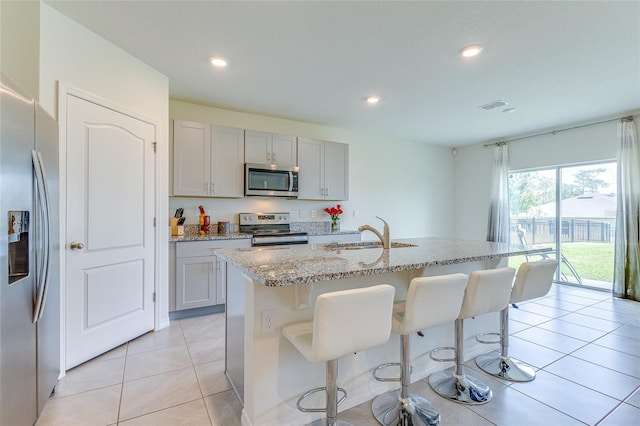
503,365
456,385
399,407
332,400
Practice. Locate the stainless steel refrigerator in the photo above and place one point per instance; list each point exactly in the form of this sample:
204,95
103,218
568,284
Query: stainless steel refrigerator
29,256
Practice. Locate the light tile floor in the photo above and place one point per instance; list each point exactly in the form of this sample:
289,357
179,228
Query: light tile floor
584,344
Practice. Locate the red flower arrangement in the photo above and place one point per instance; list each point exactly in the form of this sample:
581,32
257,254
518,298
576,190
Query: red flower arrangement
334,212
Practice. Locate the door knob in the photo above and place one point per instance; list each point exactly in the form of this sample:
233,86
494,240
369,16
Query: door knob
76,245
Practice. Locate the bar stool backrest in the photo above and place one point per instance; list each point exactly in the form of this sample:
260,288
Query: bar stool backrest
533,280
351,321
487,291
431,301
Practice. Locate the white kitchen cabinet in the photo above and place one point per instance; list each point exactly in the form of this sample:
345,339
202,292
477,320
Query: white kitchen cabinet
269,148
208,160
324,170
191,158
227,146
200,278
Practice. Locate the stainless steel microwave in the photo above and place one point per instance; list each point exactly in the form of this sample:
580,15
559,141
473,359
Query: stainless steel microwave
270,180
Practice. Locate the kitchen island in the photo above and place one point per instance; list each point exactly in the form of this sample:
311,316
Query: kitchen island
274,286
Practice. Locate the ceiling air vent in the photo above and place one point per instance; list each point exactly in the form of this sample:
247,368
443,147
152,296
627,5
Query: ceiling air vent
494,104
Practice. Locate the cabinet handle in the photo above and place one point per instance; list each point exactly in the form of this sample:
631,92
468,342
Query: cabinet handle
213,188
268,157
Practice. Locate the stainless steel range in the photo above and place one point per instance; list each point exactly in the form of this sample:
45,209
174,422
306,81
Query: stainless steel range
270,229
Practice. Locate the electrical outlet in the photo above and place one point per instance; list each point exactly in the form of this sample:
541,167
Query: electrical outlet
301,214
313,213
355,214
269,318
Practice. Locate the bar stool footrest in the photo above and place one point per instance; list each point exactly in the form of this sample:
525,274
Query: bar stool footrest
311,392
481,338
388,379
442,348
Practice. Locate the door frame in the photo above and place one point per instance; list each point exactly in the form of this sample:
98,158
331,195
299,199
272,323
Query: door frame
161,294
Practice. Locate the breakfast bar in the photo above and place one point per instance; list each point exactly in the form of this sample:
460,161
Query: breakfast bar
270,287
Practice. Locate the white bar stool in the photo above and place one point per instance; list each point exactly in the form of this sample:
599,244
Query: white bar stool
487,291
533,280
430,301
344,322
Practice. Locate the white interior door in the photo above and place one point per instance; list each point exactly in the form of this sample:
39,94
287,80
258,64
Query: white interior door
109,229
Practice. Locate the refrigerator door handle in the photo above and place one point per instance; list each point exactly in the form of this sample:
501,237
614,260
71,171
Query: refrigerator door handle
43,266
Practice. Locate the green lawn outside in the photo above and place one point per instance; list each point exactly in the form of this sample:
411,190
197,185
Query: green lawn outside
593,261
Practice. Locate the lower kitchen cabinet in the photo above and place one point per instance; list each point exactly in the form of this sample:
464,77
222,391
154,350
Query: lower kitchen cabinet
200,278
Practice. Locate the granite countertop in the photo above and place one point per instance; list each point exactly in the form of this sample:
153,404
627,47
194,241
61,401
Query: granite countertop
210,237
304,264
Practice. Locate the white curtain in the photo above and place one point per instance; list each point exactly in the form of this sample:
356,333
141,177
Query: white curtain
498,226
626,278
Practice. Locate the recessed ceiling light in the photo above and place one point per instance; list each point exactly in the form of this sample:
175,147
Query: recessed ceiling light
495,104
472,50
373,99
218,61
509,110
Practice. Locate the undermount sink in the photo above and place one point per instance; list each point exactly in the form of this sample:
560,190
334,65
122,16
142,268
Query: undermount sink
365,245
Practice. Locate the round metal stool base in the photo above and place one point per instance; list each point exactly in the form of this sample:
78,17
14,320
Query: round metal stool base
390,410
505,367
464,389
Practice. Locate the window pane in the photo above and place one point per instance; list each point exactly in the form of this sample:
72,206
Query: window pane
532,199
588,214
585,231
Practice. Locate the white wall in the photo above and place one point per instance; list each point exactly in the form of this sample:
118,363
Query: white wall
408,184
19,20
473,168
71,54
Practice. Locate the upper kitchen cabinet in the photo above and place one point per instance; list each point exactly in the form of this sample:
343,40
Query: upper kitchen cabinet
324,170
269,148
208,160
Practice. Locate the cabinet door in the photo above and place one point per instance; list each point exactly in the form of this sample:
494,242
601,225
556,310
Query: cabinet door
227,145
191,158
195,282
336,171
257,147
221,282
311,175
284,151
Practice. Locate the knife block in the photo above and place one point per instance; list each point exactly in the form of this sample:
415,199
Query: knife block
176,230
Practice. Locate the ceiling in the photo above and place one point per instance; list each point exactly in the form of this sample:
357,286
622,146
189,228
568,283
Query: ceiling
559,63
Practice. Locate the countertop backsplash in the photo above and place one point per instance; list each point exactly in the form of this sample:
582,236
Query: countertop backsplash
192,231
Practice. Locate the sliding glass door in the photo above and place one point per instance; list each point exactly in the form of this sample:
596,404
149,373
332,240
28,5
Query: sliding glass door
580,228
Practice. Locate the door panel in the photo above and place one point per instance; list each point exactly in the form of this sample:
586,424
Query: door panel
124,279
105,148
110,209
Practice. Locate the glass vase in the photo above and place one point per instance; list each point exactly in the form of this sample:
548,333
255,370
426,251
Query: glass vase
335,225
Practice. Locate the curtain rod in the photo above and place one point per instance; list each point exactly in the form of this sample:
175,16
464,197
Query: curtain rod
553,132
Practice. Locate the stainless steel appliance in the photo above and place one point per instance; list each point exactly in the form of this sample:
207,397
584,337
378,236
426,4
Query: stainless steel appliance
29,257
270,229
270,180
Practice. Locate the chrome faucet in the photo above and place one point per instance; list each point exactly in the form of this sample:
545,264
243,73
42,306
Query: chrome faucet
383,238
